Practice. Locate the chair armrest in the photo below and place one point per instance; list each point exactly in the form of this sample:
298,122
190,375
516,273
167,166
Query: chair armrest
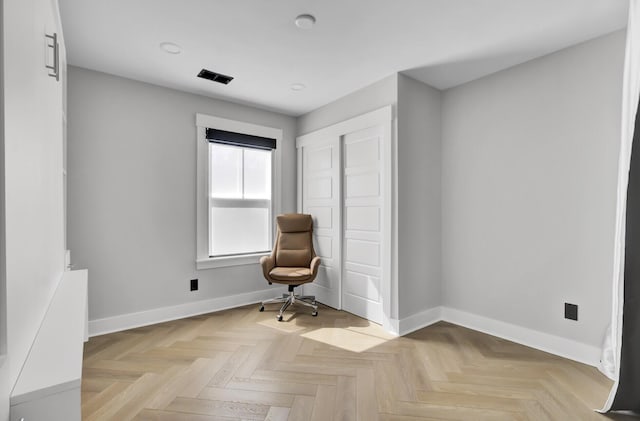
267,263
315,264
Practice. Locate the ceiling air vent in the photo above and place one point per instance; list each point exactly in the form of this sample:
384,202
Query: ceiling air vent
216,77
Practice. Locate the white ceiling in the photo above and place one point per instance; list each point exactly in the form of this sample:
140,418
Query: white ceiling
353,44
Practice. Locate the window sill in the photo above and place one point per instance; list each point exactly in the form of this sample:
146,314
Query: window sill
221,262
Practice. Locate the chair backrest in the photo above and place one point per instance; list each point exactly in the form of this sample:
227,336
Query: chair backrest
294,244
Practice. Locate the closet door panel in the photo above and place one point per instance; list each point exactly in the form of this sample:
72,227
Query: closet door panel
359,284
362,236
363,218
321,198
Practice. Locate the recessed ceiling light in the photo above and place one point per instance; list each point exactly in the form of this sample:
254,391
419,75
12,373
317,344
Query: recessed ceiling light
170,47
297,87
305,21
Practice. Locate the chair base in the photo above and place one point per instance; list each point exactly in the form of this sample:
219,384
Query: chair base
291,298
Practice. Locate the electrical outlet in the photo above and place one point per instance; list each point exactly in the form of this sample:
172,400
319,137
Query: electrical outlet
194,285
570,311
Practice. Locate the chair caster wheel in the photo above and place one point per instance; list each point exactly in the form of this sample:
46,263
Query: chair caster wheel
261,308
279,317
314,314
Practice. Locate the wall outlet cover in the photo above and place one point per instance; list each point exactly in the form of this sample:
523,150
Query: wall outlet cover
570,311
194,285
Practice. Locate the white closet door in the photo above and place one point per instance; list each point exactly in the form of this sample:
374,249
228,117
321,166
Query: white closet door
321,198
363,224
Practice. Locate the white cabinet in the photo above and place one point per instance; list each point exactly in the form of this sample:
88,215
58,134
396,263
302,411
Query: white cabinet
344,181
48,387
45,306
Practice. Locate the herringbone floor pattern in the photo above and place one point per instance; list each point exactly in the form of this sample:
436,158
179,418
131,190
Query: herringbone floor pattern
241,364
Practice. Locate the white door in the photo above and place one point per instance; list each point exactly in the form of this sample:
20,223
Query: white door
345,182
363,249
320,185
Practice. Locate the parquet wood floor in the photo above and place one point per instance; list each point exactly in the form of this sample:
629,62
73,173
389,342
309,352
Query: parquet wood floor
241,364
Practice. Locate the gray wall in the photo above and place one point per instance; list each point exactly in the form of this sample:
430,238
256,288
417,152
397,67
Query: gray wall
372,97
419,203
132,183
529,165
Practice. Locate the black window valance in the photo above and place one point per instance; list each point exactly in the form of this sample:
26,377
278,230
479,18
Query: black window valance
240,139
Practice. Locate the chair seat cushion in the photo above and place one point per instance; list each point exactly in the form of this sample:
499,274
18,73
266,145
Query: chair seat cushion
290,274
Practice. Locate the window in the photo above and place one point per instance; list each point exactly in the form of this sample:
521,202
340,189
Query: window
237,198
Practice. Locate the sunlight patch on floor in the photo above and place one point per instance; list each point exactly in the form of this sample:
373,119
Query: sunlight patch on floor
344,338
373,330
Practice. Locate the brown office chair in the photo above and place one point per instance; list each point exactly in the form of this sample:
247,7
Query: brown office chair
293,261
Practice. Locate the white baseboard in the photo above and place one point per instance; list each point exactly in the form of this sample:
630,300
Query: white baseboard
556,345
552,344
165,314
419,320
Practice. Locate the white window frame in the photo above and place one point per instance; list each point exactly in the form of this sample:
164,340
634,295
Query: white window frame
203,121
